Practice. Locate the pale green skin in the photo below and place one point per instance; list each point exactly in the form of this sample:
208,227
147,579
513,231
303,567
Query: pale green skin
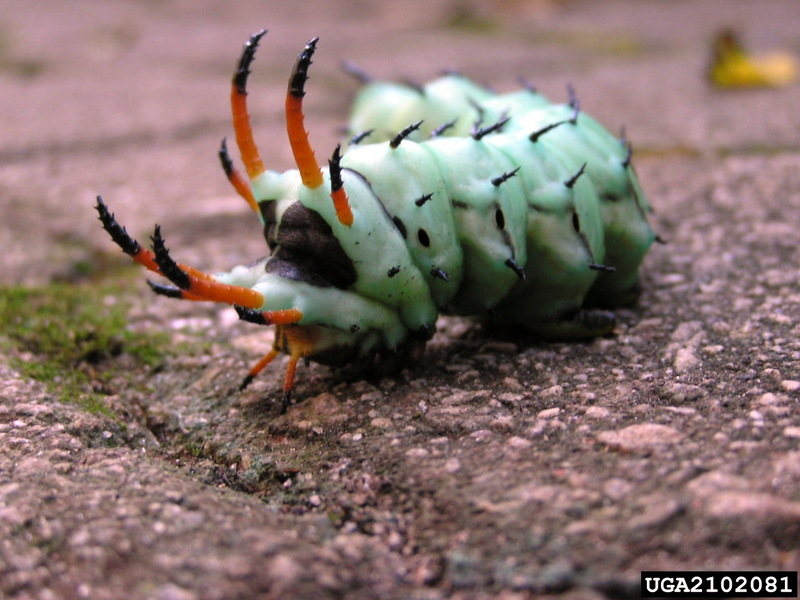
380,312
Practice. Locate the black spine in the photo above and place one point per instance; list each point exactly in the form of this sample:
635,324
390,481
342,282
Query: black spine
165,290
250,315
117,232
357,72
440,274
605,268
225,158
534,137
297,81
357,139
514,266
573,97
245,60
498,181
423,199
168,267
404,134
571,181
336,169
479,132
626,162
442,128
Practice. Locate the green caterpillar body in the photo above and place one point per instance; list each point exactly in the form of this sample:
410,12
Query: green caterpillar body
517,208
565,140
560,235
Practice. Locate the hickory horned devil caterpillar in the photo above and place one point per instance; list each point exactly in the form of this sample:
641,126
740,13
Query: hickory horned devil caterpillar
463,202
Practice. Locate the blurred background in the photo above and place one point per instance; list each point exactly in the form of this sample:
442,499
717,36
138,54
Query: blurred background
673,444
129,98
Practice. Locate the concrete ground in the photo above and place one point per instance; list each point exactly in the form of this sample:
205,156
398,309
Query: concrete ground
496,468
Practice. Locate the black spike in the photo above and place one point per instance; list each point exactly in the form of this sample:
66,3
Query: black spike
250,315
498,181
478,109
297,81
168,267
440,274
358,138
477,133
534,137
571,181
623,136
442,128
574,118
527,85
423,199
245,60
336,169
605,268
393,271
626,162
356,71
660,240
404,134
573,97
225,158
514,266
165,290
117,232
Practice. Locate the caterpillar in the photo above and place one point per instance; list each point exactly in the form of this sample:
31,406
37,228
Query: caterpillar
462,202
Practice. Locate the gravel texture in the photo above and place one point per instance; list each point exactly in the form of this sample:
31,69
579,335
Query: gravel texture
498,467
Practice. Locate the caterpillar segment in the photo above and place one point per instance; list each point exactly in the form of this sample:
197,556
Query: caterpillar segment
449,199
567,136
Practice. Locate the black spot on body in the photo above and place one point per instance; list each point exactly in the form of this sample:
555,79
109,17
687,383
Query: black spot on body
423,238
499,218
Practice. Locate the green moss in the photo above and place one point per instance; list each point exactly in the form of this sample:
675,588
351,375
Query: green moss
69,336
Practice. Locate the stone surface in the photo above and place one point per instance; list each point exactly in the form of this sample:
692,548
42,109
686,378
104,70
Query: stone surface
495,468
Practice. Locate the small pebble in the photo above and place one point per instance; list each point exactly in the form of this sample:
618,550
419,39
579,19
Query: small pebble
644,436
790,385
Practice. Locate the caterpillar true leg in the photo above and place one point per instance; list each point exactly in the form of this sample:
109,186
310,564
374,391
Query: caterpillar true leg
258,367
